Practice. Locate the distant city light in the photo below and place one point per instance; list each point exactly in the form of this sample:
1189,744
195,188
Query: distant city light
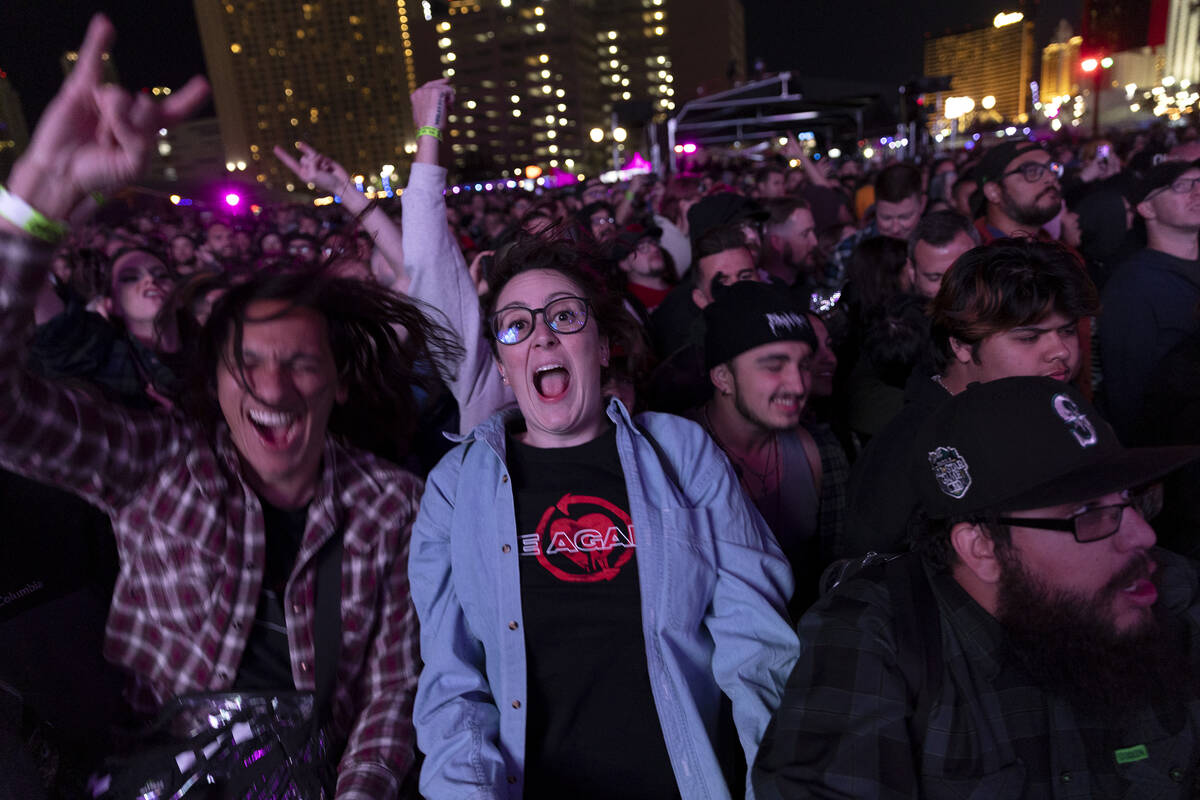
1089,65
619,134
175,199
596,135
1010,18
988,102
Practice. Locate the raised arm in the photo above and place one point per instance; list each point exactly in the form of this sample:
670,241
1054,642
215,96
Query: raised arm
91,137
437,269
330,176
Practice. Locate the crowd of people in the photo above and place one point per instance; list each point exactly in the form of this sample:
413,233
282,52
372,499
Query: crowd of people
772,478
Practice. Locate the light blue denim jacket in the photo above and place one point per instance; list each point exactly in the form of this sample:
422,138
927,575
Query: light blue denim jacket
714,586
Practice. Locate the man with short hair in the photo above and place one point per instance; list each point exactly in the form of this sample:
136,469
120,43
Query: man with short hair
1036,645
769,182
899,203
1151,300
791,241
599,222
222,518
638,255
936,243
1021,193
1009,308
721,258
758,348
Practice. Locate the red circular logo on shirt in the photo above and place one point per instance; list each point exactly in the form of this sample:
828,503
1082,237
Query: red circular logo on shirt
582,539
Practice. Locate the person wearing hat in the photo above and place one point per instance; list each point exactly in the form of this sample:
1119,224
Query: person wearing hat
1011,308
1036,645
1018,185
638,255
1150,301
758,349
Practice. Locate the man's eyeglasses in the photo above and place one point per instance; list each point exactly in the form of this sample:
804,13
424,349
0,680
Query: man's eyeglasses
647,246
1179,186
514,324
1097,523
1033,171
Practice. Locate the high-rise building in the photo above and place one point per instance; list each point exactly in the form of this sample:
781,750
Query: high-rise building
528,88
14,133
334,73
991,67
1060,65
538,81
707,44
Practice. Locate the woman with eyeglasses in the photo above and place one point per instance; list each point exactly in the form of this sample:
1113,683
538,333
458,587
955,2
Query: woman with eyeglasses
591,587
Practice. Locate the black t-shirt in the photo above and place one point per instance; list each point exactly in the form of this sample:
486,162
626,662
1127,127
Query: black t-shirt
266,663
591,729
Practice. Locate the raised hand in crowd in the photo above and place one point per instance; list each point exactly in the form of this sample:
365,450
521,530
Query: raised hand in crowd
431,104
329,176
93,136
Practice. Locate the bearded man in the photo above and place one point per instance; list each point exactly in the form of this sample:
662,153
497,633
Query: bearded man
1036,645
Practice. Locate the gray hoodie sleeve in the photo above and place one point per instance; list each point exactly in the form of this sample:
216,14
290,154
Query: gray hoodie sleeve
439,278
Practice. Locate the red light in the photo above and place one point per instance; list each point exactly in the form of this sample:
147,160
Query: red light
1089,65
921,100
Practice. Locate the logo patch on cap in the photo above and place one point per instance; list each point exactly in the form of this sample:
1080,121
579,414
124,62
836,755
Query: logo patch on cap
1077,422
785,321
950,471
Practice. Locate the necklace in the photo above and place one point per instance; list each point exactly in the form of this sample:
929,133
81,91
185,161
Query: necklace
743,468
938,380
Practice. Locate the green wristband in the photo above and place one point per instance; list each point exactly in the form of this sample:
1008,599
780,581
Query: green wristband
29,219
429,130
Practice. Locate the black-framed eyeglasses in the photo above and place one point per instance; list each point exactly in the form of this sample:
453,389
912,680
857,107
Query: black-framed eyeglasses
514,324
1178,186
1098,523
1033,171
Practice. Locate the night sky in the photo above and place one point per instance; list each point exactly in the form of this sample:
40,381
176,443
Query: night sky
158,43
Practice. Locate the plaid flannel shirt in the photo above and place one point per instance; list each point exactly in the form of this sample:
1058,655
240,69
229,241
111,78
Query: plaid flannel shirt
191,537
842,729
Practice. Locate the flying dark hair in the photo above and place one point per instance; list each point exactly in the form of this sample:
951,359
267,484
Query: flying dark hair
1004,285
375,364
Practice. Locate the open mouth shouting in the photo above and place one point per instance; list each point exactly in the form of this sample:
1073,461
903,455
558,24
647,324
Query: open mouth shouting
276,429
551,381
